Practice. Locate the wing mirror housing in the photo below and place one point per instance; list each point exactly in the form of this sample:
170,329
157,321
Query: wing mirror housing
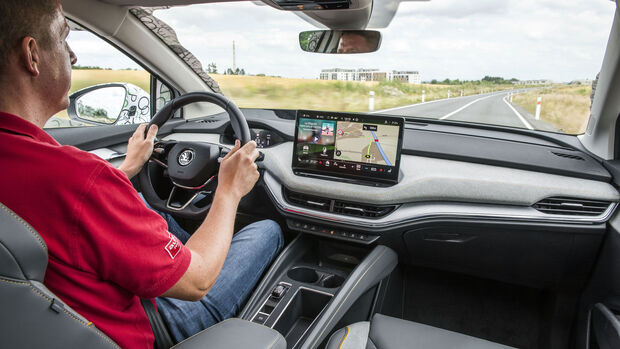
110,104
340,41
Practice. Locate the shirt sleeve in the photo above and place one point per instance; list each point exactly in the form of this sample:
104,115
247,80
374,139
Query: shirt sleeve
123,241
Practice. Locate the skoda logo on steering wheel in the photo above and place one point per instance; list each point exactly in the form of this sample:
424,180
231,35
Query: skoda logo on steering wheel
186,157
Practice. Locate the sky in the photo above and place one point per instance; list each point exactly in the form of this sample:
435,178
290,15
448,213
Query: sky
561,40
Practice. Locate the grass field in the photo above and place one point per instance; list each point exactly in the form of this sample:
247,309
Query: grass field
82,78
565,107
273,92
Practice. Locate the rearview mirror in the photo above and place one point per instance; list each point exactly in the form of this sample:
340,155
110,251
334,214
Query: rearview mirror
340,41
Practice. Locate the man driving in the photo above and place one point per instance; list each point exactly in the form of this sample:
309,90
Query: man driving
106,248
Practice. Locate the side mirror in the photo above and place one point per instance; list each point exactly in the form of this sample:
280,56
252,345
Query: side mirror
110,104
340,41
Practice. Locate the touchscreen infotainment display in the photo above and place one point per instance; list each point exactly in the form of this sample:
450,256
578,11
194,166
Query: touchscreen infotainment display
365,147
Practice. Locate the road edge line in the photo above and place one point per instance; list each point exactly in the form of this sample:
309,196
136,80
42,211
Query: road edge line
523,120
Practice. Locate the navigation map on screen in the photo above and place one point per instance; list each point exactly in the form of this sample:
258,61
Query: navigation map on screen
365,146
367,143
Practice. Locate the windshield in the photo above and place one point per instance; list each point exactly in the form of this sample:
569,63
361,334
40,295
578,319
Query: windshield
516,63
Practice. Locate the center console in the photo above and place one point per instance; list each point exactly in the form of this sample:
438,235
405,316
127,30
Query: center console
311,286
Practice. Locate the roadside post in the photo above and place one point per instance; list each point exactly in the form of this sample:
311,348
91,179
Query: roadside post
511,97
371,101
448,93
538,105
461,93
422,96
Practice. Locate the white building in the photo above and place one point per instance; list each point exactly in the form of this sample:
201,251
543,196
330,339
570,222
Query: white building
534,82
338,74
361,74
409,76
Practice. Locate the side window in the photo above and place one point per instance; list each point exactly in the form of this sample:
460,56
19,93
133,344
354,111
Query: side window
107,86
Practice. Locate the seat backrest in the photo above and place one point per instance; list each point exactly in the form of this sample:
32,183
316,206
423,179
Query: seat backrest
31,316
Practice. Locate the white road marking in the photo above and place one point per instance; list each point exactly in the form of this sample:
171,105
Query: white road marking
463,107
417,104
527,124
408,106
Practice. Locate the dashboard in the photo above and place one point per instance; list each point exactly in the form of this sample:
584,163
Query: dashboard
524,201
446,170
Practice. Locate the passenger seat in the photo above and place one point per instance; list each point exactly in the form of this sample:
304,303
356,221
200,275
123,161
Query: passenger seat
384,332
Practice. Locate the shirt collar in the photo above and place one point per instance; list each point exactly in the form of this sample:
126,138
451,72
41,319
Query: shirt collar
17,125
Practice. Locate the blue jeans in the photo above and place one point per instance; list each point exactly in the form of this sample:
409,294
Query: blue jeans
252,249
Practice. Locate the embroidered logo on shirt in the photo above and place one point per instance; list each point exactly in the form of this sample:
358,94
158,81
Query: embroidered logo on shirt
173,247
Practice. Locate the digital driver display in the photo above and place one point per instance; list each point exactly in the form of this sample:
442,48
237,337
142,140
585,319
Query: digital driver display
348,145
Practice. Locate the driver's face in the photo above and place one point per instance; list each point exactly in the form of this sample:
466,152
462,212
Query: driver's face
353,43
56,62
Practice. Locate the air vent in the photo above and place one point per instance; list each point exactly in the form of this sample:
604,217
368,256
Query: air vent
310,201
362,210
207,121
337,206
573,207
568,156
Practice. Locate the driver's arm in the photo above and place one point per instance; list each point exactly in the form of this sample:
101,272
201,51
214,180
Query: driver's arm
209,244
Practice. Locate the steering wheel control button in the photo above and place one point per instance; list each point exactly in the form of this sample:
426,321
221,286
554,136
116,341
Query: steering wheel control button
186,157
362,238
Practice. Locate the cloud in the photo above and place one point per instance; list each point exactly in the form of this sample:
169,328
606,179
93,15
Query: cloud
552,39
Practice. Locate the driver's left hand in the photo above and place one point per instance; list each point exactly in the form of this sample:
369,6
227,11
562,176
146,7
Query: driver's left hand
139,150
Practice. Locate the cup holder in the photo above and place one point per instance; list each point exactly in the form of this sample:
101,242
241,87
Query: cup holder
332,281
303,274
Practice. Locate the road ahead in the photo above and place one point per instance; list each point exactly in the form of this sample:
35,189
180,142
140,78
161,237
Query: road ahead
490,108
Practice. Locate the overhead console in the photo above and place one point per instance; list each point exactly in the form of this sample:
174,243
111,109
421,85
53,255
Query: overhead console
364,149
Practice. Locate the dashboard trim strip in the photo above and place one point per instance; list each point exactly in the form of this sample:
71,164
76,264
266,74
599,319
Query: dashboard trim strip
411,212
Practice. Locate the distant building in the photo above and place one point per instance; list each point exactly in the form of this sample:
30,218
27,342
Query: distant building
533,82
581,82
361,74
338,74
410,76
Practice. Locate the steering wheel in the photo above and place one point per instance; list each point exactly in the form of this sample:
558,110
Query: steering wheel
192,167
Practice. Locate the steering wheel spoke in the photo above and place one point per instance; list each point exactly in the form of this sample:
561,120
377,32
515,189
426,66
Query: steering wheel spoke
180,199
160,152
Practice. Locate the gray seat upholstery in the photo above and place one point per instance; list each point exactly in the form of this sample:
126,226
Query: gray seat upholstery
31,316
384,332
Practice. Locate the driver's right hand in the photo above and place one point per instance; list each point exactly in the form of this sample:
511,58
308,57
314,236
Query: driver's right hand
238,171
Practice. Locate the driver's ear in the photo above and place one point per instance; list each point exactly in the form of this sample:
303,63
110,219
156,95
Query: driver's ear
30,55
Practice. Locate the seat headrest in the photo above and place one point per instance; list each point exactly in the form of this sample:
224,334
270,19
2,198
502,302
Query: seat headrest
23,253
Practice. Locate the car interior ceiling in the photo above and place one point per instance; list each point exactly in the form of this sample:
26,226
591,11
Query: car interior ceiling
462,236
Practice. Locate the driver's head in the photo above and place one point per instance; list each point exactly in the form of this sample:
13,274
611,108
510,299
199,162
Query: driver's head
34,55
352,42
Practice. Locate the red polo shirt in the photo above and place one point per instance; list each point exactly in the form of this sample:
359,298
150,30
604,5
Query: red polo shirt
106,248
